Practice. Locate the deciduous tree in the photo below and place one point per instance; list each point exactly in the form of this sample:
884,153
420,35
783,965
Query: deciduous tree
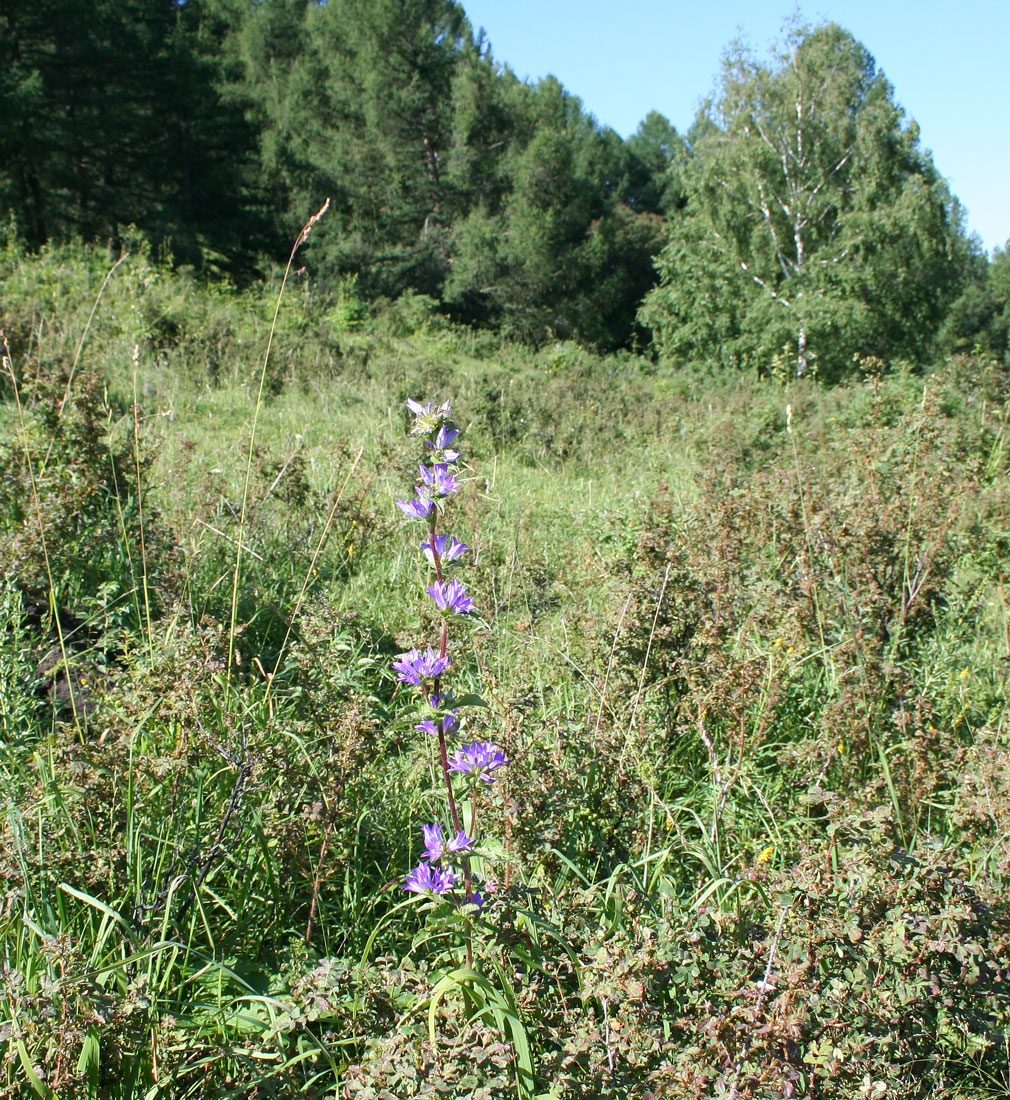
815,228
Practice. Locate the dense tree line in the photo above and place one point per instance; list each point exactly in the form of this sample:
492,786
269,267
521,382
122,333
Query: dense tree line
799,219
112,113
216,125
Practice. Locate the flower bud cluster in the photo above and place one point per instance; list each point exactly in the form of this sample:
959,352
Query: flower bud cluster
445,864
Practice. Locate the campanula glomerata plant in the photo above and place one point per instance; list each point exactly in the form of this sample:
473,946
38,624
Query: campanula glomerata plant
446,865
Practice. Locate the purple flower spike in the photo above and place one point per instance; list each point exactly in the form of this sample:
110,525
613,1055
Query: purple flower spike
448,548
481,758
451,725
436,846
450,596
417,509
414,666
438,480
425,879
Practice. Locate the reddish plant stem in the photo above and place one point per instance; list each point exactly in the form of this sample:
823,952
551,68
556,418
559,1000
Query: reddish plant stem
318,881
434,553
443,751
446,774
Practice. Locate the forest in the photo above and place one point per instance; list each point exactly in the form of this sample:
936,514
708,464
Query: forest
214,127
490,608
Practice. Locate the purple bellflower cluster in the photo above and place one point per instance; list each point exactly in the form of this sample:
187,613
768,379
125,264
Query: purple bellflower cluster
445,864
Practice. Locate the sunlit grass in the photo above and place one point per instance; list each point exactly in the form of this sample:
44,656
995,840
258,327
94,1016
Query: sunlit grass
738,738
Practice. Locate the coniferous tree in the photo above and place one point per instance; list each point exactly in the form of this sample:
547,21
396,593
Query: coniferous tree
803,220
353,99
658,155
110,118
563,245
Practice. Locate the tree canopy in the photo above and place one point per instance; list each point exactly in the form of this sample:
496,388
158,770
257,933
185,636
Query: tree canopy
979,321
111,114
815,225
799,220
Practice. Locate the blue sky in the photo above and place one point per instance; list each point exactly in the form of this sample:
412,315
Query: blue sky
949,64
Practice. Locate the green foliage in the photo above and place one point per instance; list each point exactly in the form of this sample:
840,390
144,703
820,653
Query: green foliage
660,153
800,225
16,706
742,642
563,244
503,202
887,974
72,518
814,226
979,321
112,117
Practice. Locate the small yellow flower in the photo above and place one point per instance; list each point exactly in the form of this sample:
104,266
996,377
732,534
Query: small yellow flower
766,854
841,748
963,673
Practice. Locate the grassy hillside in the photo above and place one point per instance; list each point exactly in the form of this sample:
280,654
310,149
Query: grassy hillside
744,643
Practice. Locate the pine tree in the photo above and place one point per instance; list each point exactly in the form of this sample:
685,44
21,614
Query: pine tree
111,118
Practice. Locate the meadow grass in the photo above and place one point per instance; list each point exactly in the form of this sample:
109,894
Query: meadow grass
743,642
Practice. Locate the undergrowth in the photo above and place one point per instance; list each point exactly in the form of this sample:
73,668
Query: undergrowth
744,646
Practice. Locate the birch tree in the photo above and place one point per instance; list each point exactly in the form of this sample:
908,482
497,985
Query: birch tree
816,227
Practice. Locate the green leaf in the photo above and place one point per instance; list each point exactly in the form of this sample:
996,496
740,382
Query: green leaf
101,907
90,1061
471,700
34,1080
500,1005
